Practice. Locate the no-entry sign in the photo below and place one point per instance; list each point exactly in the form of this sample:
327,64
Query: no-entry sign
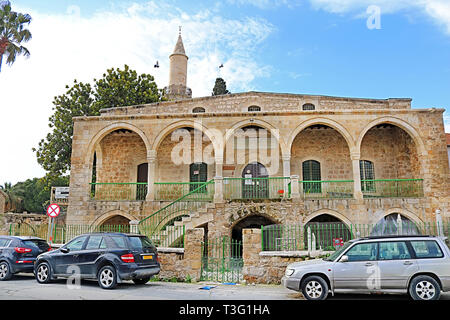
53,210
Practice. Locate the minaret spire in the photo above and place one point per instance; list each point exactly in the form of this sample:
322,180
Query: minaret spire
177,88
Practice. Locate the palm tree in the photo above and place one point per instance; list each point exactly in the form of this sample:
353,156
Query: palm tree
12,33
14,202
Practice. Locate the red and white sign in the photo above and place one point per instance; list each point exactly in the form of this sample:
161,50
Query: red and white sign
338,242
53,210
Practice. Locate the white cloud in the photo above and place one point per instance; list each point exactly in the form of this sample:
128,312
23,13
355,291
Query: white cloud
70,46
437,10
266,4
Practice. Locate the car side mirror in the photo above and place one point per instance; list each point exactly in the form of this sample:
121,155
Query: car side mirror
65,250
343,259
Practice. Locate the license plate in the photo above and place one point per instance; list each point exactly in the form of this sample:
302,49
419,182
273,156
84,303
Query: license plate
149,257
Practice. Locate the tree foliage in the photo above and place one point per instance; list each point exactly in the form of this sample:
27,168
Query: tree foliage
13,33
220,87
117,88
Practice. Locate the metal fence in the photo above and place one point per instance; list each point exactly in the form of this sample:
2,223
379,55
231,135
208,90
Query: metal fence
119,191
256,188
329,236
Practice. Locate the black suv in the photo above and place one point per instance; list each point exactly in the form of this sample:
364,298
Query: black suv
17,254
107,257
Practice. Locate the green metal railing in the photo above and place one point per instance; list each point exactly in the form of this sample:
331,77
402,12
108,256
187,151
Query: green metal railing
337,189
136,191
161,226
327,236
62,233
392,188
256,188
171,191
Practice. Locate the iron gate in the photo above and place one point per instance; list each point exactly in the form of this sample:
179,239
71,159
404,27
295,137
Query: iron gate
222,260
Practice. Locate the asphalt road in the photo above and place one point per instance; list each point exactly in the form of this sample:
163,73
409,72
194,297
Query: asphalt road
25,287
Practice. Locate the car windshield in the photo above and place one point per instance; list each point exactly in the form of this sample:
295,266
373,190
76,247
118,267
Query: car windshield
336,254
141,243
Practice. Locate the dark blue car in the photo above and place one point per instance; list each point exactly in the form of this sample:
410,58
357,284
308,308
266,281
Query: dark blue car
17,254
108,258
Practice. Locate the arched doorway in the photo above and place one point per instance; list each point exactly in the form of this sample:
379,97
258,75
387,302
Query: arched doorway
395,224
254,184
115,223
327,232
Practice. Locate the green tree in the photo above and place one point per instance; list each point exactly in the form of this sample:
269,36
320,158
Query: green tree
13,33
220,87
35,193
117,88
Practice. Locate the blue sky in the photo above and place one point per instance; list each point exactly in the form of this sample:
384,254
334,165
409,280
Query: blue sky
301,46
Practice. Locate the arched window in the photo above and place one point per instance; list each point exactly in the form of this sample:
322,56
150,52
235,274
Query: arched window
198,110
254,109
311,172
198,173
367,172
308,106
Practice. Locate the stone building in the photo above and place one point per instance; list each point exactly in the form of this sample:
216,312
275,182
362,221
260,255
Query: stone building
248,159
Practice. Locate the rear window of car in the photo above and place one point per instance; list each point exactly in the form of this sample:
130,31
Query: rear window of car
36,244
4,242
427,249
141,243
119,242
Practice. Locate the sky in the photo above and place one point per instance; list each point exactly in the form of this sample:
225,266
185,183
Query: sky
349,48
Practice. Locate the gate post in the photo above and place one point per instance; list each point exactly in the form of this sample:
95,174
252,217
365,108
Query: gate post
251,247
193,252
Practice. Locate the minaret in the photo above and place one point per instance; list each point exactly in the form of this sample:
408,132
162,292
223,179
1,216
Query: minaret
177,88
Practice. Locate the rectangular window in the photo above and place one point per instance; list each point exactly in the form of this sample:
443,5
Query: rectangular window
394,251
4,243
119,242
427,249
367,172
363,252
311,172
95,242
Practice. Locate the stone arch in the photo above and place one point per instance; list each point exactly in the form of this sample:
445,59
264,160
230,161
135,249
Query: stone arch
89,156
214,136
100,220
403,126
330,212
327,122
253,221
261,123
399,123
407,214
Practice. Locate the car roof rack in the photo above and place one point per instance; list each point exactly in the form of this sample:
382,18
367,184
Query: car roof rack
397,236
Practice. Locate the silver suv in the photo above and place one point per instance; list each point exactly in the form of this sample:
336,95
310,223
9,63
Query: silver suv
418,265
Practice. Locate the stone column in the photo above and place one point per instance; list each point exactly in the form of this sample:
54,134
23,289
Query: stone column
218,181
295,188
134,226
193,252
251,247
151,159
357,193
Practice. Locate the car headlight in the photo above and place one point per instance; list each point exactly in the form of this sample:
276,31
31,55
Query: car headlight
289,272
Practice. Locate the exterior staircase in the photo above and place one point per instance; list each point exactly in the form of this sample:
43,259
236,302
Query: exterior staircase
167,226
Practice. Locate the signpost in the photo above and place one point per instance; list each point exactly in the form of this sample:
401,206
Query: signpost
53,211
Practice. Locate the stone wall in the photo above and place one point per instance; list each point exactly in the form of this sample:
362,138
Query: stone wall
267,267
31,219
183,263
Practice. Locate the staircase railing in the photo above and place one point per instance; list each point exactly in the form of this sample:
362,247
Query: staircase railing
152,225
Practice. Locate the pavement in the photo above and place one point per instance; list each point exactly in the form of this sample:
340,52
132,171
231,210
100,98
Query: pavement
25,287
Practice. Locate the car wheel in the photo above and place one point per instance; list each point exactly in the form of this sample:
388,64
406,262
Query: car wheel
424,288
43,274
107,277
314,288
141,281
5,271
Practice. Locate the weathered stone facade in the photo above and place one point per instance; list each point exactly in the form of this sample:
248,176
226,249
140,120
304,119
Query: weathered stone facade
400,142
